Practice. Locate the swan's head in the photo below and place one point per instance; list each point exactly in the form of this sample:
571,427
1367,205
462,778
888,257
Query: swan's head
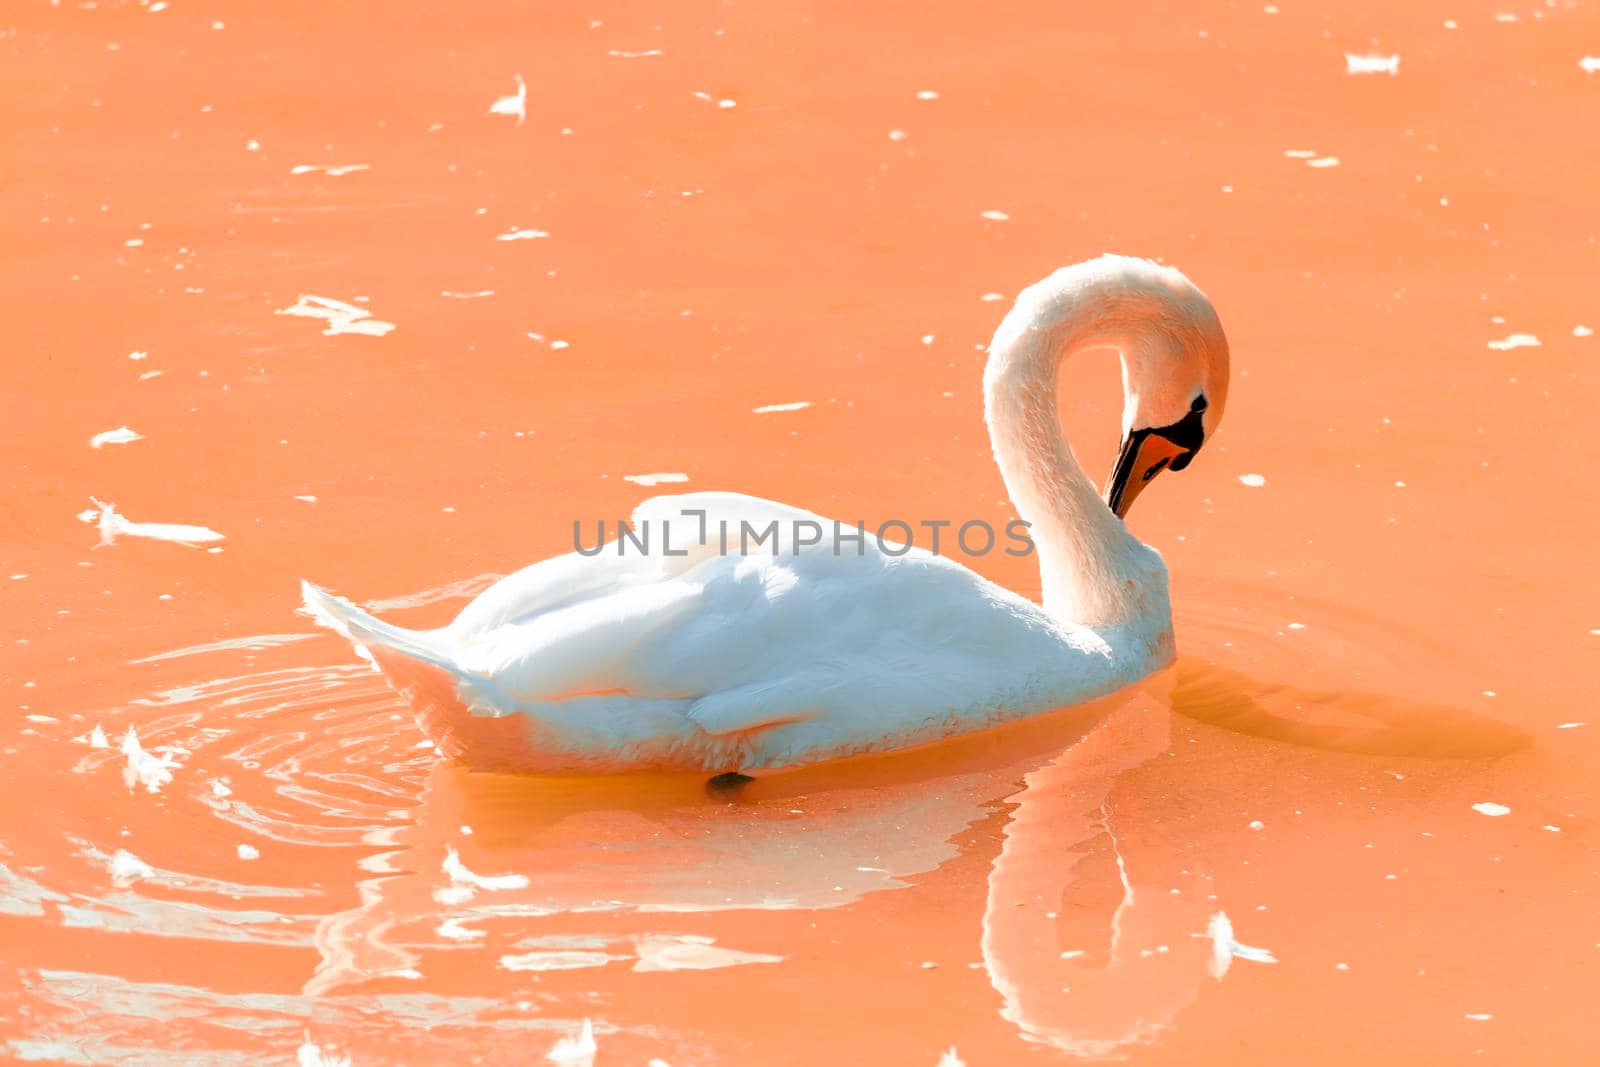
1174,358
1175,381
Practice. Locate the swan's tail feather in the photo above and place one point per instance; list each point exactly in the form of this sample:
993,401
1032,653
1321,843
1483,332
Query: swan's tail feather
365,631
387,646
454,706
469,717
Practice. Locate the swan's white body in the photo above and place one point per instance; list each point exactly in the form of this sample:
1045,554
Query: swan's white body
777,657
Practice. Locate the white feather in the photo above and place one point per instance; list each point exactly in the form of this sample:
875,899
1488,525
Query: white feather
575,1051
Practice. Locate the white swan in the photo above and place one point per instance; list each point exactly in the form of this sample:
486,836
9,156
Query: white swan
794,653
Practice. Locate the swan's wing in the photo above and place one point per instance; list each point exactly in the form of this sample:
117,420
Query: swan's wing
547,586
750,641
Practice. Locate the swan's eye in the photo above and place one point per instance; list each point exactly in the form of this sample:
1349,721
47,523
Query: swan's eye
1155,468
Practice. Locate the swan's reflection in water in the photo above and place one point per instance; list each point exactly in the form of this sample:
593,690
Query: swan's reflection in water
1089,934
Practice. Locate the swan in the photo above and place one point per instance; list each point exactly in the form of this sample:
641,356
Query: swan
689,657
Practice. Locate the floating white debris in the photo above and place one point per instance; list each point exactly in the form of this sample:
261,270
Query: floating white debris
340,317
453,929
1506,17
1254,481
951,1058
454,295
460,875
1490,808
1371,64
1552,828
521,235
575,1051
120,436
219,789
1479,1016
1589,64
1299,153
927,94
136,356
1516,340
634,55
1323,163
126,868
113,525
897,135
98,738
990,298
654,479
249,852
310,1055
332,170
1257,824
152,772
1224,948
307,498
515,104
995,216
768,409
1570,725
686,952
1582,331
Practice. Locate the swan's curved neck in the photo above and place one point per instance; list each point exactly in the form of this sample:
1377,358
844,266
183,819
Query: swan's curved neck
1092,570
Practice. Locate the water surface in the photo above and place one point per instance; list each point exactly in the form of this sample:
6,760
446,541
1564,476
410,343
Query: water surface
1389,629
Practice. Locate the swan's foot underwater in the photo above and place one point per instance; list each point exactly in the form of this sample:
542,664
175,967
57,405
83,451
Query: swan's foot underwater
727,782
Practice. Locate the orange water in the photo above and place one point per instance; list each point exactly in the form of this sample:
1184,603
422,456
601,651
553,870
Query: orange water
1390,630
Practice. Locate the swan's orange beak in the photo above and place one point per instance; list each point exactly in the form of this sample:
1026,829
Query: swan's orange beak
1144,455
